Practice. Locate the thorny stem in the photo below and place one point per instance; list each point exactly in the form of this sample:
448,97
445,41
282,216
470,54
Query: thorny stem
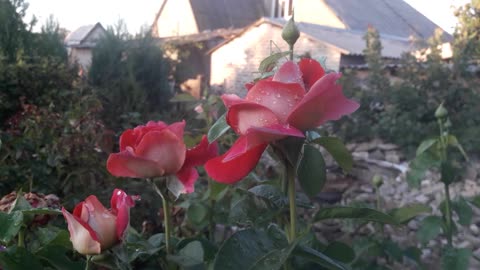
448,202
291,200
448,212
166,215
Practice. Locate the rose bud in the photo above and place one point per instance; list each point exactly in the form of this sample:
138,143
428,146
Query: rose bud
93,228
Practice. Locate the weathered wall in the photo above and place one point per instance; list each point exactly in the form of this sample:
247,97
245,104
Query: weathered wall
236,62
81,56
176,19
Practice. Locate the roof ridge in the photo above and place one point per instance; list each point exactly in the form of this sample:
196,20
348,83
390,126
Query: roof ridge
403,19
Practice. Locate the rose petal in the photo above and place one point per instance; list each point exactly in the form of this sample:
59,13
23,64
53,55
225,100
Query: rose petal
231,99
289,72
260,135
188,176
125,164
177,128
312,71
244,116
165,148
121,204
232,171
325,101
201,153
131,137
102,221
279,97
82,237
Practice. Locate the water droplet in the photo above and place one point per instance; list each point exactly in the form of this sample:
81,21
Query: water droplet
278,95
274,102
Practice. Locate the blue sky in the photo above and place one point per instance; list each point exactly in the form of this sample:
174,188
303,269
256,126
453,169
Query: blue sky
73,13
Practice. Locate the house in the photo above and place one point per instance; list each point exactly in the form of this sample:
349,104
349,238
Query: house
235,61
81,42
389,17
329,28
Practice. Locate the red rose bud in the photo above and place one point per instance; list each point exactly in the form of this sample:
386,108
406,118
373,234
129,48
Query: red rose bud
158,149
297,98
93,228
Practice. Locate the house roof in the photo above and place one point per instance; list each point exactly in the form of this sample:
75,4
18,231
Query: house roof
200,37
393,17
349,42
214,14
79,37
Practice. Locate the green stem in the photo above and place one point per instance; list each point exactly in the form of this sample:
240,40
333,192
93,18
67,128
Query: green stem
212,225
166,215
21,238
448,212
382,229
88,265
291,200
291,52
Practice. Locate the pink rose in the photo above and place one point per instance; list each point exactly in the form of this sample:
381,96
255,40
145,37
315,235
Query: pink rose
297,98
93,228
158,149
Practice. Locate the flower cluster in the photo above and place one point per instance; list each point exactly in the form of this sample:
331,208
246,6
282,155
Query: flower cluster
297,98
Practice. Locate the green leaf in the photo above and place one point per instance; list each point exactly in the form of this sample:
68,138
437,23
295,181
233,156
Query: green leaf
475,201
464,211
217,190
340,252
393,250
318,258
404,214
342,212
197,213
11,224
425,145
189,257
218,129
419,166
449,173
429,229
452,141
18,258
41,211
270,193
243,249
456,258
269,63
274,259
183,98
56,256
311,171
337,149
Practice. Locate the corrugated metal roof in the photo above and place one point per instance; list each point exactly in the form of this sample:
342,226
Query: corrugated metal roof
77,37
347,41
393,17
352,41
214,14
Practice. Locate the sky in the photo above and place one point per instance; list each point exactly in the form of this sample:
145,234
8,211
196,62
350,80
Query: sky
72,14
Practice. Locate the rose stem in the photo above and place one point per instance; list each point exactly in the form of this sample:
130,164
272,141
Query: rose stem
166,215
291,199
89,262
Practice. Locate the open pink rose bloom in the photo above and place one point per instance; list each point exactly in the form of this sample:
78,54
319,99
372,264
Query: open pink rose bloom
93,228
297,98
158,149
